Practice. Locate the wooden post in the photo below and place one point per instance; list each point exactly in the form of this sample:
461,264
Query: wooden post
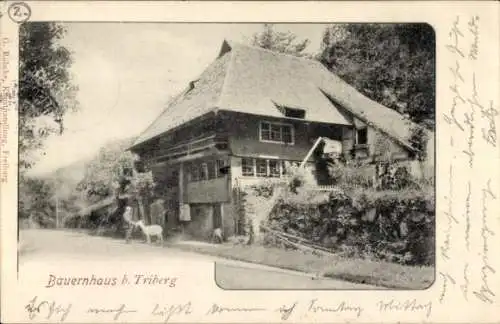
302,164
181,194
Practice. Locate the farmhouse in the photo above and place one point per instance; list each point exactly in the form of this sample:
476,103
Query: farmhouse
249,115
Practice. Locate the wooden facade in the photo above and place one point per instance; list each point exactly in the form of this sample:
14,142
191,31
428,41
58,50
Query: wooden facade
198,164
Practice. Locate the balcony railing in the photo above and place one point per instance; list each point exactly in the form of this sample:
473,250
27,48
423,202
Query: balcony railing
190,147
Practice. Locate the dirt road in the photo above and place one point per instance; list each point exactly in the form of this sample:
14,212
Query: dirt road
44,244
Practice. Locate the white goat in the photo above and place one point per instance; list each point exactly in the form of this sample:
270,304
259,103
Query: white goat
151,231
217,235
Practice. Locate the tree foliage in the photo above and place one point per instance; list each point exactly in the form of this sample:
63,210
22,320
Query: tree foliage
282,42
393,64
104,172
45,88
36,200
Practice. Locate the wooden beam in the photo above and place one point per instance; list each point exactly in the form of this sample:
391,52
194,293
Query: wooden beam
302,164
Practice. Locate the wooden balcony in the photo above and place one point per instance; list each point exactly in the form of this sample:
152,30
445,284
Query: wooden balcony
188,148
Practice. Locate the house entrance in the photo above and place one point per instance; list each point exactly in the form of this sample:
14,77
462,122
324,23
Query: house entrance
217,216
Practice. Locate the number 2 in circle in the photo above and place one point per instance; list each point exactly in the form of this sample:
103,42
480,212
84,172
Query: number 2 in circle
19,12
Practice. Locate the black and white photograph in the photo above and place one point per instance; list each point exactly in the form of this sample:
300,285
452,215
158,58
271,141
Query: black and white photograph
249,162
295,156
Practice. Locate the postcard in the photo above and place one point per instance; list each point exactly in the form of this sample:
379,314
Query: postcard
185,162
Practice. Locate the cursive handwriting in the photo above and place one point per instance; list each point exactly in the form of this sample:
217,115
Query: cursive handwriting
469,119
47,308
286,311
485,294
467,215
116,311
217,309
457,76
342,307
405,306
445,248
457,96
465,286
169,311
444,289
474,30
490,134
455,34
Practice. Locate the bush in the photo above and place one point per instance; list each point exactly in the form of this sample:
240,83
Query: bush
352,175
395,226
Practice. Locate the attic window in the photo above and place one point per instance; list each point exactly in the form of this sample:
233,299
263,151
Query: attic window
192,84
295,113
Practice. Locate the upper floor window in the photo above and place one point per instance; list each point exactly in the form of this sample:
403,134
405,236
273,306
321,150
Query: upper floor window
222,167
276,132
204,175
207,169
362,136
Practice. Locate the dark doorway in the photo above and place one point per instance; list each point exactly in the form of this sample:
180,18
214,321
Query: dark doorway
217,216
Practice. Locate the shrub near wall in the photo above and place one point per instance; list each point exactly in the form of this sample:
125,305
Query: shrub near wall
395,226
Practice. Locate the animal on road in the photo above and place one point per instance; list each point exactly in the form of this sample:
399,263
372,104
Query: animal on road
217,236
151,231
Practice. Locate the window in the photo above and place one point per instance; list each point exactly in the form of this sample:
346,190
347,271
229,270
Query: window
204,172
207,170
276,132
247,167
265,131
211,171
195,173
261,167
222,168
287,134
362,136
295,113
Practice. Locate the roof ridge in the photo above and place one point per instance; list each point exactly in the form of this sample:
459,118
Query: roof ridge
258,48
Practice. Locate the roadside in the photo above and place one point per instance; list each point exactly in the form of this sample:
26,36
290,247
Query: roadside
381,274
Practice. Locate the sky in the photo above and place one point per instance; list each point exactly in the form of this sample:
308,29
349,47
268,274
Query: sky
126,72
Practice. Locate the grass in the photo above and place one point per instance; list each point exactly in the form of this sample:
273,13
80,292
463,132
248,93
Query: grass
383,274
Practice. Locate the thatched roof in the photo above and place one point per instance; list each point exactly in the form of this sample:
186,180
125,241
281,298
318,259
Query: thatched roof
257,81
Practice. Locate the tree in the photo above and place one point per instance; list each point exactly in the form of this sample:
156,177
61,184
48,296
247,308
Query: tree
282,42
45,88
114,167
393,64
36,201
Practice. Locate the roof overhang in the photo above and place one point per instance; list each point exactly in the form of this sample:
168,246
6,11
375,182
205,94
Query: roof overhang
137,145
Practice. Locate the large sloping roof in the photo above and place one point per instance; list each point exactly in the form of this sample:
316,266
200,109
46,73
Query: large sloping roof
257,81
200,97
